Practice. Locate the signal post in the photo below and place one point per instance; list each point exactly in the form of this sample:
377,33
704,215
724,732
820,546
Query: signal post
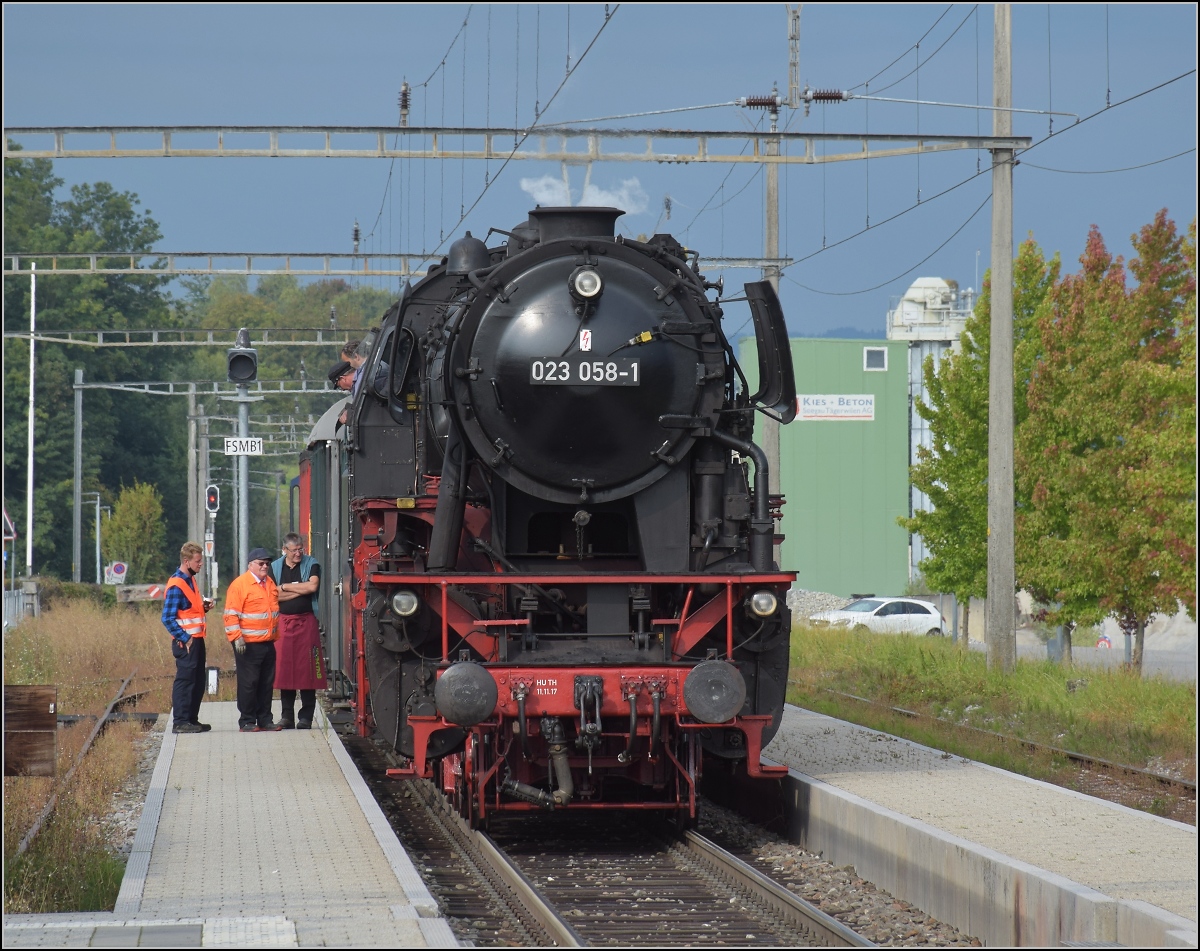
242,363
212,502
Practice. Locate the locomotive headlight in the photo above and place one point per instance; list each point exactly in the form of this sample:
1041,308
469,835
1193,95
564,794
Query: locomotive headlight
763,603
405,603
585,283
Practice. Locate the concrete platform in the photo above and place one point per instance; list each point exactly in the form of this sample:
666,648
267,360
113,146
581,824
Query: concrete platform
1010,860
256,840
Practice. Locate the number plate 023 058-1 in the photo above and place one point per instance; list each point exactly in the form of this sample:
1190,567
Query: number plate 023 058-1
578,372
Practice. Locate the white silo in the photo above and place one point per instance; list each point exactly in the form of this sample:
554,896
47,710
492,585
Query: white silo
931,316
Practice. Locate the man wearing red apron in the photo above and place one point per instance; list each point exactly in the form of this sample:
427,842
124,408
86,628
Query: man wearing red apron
300,666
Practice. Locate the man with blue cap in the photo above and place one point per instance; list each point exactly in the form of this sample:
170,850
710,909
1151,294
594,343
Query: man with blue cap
251,624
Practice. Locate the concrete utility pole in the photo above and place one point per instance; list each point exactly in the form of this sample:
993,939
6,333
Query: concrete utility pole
999,617
243,471
29,460
194,519
99,562
203,523
770,429
77,516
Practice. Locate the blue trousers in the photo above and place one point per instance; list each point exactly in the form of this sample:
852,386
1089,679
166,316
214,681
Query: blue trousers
188,689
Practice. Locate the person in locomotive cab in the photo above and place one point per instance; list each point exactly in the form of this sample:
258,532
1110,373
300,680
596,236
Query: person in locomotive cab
342,377
251,624
350,353
183,617
298,665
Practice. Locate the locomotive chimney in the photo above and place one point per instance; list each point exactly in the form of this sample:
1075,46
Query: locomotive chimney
555,224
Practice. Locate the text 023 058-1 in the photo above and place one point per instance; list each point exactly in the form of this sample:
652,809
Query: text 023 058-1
573,371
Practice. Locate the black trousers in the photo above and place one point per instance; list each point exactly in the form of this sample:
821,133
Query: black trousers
188,689
308,704
255,681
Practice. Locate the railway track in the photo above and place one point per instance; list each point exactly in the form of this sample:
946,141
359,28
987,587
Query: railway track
119,700
637,885
568,881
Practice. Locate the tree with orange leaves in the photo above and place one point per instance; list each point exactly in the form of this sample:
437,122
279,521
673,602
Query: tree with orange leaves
1107,454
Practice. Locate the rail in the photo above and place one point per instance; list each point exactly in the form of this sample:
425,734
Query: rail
101,723
828,930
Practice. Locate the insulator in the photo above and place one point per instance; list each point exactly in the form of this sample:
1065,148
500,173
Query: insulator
825,95
404,97
762,102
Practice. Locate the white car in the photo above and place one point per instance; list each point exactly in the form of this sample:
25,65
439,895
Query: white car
885,616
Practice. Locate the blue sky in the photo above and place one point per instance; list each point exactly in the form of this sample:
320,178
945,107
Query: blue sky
343,65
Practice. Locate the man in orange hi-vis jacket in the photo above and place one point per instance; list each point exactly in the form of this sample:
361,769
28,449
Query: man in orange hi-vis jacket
251,622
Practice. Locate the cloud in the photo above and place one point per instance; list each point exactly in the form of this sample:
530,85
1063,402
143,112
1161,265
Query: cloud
627,195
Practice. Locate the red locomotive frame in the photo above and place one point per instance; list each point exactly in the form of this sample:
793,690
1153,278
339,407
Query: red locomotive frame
659,736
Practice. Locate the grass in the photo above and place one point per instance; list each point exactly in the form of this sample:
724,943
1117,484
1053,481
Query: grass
86,650
1109,714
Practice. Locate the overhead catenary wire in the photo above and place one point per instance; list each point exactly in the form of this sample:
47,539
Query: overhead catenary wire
957,185
865,290
1108,171
906,51
533,126
721,187
941,46
440,66
652,112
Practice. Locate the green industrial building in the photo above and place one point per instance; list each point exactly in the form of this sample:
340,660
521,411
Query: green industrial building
843,465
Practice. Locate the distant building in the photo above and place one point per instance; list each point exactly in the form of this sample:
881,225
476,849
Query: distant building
930,317
844,463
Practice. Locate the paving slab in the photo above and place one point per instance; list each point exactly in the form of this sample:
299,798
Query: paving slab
256,840
1121,852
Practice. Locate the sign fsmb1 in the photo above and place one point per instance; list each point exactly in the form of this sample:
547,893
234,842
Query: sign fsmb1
243,447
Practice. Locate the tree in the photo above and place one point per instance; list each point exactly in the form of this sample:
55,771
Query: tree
1107,454
135,534
125,435
953,474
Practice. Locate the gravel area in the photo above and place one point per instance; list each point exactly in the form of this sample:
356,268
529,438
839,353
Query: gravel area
856,903
125,809
803,604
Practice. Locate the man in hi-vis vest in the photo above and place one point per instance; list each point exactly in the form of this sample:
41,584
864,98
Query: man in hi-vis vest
183,617
251,621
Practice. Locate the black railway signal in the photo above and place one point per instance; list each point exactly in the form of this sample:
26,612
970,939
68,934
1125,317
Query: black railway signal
212,498
242,360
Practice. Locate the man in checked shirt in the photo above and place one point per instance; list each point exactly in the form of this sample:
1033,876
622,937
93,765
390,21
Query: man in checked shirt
183,617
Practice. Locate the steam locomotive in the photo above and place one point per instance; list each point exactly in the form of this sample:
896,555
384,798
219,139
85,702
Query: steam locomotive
551,571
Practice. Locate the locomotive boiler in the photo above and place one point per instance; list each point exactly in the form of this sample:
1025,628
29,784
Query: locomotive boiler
552,525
